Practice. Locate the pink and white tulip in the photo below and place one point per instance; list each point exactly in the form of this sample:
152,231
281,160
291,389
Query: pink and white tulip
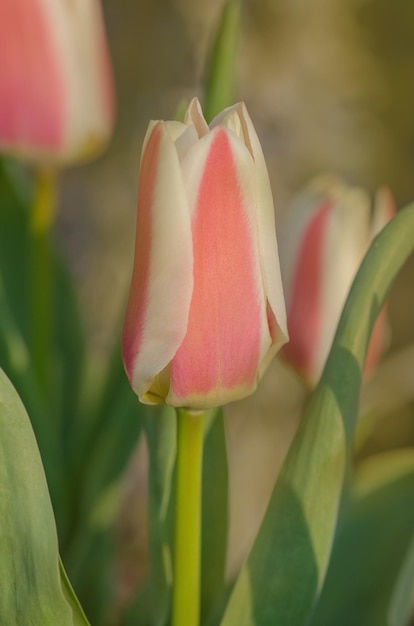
325,237
56,91
206,309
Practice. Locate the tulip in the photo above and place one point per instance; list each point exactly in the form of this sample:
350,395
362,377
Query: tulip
325,237
56,93
206,310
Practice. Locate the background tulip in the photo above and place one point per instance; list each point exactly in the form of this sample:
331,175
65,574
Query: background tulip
325,236
56,94
206,309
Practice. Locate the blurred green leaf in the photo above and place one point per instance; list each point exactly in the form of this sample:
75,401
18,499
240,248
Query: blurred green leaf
78,615
30,589
15,196
15,360
112,433
152,604
401,606
221,75
371,547
283,576
53,414
214,514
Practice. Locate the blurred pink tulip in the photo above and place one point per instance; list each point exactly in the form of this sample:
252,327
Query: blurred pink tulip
325,237
56,92
206,310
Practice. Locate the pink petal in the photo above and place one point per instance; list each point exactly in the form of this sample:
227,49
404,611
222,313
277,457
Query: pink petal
305,310
237,119
219,357
32,103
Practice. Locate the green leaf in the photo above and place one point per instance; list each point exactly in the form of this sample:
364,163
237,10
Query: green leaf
15,360
79,617
30,586
401,606
221,78
54,412
113,431
214,515
152,605
371,574
15,196
283,576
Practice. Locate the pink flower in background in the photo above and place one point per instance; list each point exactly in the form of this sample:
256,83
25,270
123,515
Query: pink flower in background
206,310
56,91
325,237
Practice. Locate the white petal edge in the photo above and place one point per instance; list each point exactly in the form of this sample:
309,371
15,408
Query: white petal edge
194,116
265,216
77,28
345,244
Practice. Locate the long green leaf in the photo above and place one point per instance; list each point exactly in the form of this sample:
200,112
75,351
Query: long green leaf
152,605
221,78
54,411
30,585
369,577
401,606
116,426
284,573
79,617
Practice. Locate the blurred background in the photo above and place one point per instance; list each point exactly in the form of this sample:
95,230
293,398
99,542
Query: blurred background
329,85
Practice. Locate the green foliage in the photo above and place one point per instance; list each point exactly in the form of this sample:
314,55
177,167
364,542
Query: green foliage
283,576
152,604
85,429
370,551
31,590
220,83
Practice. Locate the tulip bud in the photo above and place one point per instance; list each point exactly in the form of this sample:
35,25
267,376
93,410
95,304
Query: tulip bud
56,92
206,309
325,237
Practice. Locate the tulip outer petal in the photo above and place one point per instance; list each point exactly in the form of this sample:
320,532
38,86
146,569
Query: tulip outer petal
162,282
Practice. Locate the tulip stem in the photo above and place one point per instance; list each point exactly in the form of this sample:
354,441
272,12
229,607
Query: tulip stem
42,217
186,593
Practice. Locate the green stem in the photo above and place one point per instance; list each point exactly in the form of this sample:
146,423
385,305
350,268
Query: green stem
186,594
42,217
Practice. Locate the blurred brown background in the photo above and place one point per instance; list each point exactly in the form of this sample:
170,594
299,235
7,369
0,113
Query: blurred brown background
330,87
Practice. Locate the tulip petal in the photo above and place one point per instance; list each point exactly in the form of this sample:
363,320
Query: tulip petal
56,92
305,298
237,119
162,281
86,65
384,210
346,242
194,116
227,327
321,252
32,104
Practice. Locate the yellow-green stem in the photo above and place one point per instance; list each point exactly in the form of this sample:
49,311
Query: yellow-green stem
187,557
41,279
